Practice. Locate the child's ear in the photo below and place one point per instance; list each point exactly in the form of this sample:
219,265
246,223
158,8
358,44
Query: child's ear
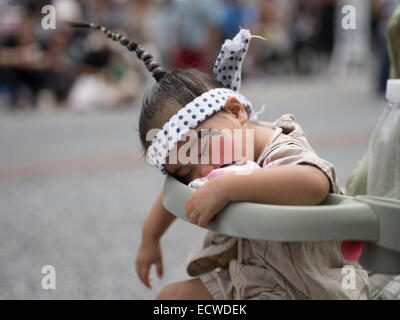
234,107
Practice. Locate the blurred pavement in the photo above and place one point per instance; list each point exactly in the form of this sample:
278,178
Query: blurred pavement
75,191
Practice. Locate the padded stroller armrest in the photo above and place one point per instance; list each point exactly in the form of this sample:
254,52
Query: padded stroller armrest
336,218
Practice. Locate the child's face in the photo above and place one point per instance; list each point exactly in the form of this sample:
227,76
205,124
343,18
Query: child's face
214,143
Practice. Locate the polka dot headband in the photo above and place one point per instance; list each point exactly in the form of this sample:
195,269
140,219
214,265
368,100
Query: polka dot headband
228,69
184,120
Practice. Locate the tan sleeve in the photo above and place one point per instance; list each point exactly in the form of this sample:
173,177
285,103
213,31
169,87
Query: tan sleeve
290,127
293,153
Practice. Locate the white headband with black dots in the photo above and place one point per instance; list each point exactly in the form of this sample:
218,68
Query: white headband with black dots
186,119
228,69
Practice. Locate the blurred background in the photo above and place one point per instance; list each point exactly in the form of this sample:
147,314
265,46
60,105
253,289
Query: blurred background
74,186
63,68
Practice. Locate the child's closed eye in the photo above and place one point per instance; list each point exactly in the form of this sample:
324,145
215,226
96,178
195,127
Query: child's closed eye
204,140
204,151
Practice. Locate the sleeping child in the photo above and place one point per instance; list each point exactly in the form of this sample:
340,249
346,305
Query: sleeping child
280,168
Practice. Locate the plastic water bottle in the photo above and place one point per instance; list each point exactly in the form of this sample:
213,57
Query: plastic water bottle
384,148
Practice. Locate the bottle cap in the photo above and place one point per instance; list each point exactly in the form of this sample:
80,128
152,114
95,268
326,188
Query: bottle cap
393,90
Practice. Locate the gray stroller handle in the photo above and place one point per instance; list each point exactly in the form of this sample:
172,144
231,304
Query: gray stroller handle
338,217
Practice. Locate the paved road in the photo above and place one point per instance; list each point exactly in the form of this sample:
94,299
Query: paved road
75,191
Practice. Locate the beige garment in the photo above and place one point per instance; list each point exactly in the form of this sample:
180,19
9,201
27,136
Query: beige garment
239,268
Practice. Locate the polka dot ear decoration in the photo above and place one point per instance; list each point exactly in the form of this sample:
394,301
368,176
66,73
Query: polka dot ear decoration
187,118
228,66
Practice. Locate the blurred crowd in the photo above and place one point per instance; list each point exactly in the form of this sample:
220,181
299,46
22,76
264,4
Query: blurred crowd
83,70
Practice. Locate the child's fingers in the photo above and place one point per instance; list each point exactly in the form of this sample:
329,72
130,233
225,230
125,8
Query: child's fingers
193,216
147,278
204,222
159,268
144,275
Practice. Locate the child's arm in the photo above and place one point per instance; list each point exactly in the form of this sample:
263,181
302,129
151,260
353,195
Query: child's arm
157,222
285,184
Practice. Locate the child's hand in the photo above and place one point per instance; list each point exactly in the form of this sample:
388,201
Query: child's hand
149,253
206,202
